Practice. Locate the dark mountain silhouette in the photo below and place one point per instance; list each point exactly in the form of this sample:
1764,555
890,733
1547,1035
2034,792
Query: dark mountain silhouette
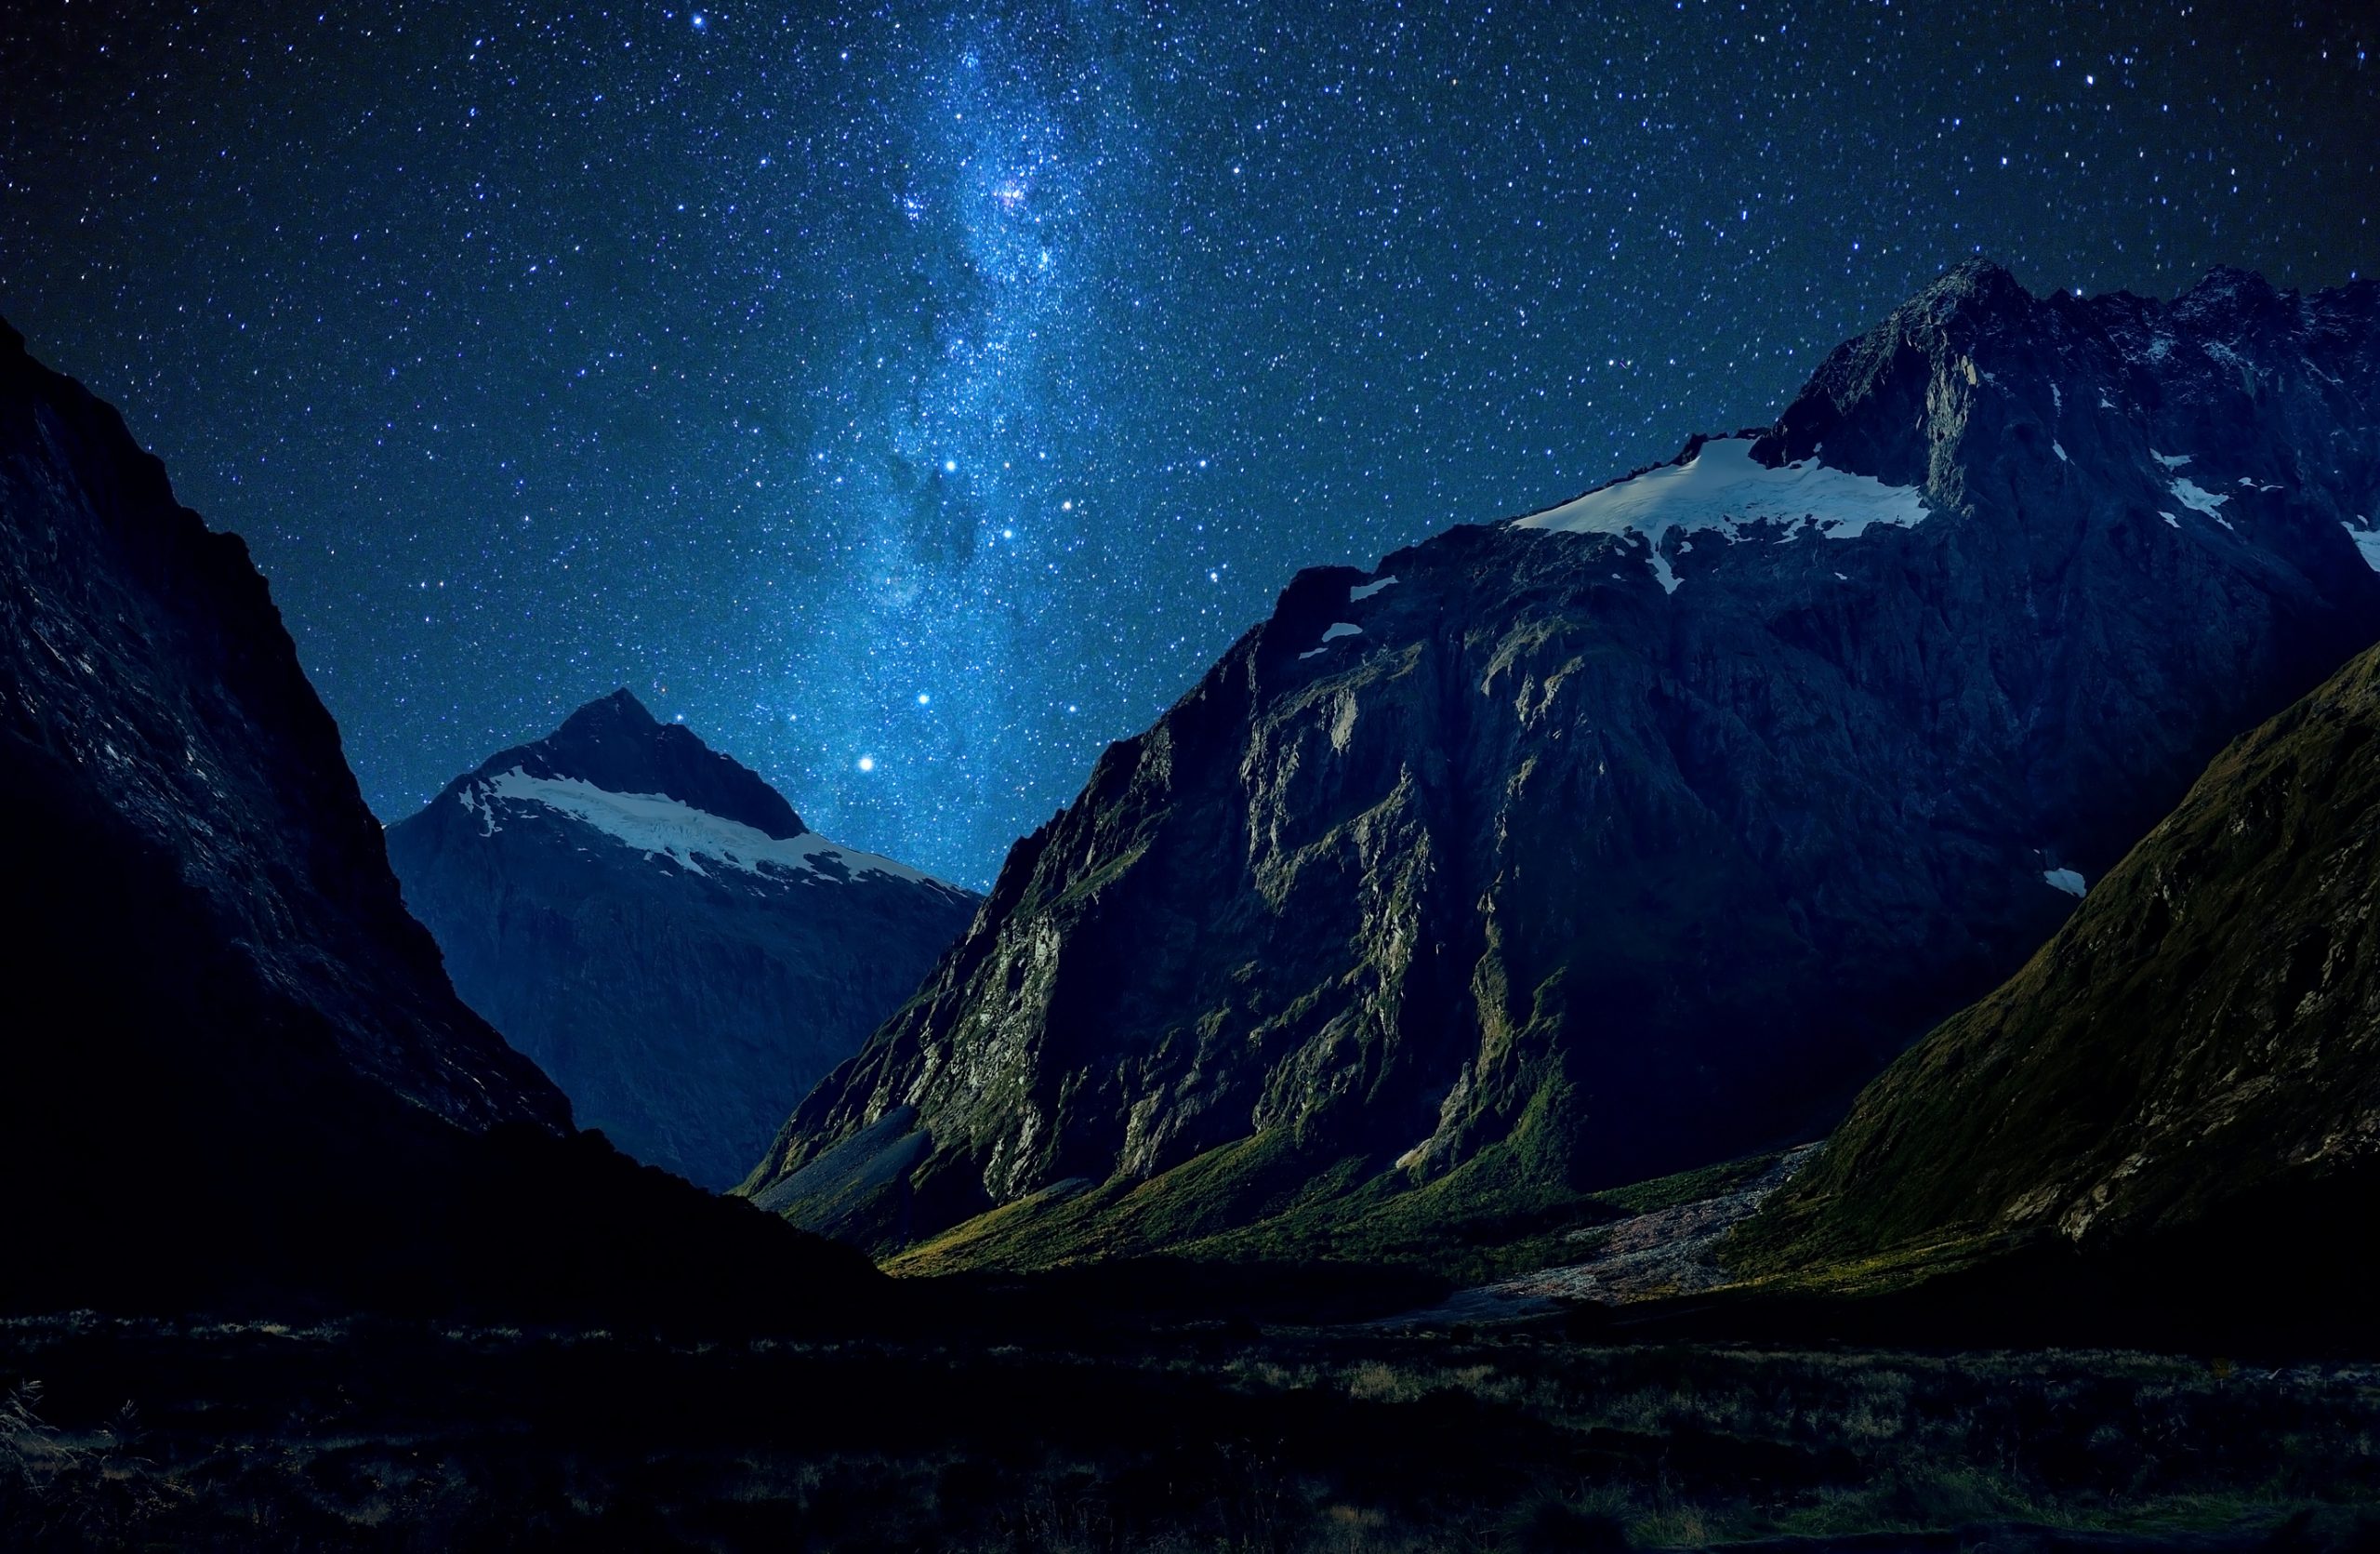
231,1070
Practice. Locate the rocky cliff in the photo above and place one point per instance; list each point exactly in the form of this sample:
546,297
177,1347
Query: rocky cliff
654,924
148,680
1640,831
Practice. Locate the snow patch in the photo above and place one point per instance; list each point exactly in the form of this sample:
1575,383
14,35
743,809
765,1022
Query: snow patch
1370,589
1721,488
2169,518
2367,543
1662,571
2066,880
2170,460
2056,399
468,797
2196,497
1338,629
2059,448
657,825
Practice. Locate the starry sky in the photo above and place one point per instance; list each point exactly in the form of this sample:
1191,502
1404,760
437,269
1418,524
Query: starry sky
915,397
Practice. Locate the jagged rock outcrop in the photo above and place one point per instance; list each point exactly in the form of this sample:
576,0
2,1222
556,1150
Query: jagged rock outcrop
231,1070
654,924
2202,1034
1639,832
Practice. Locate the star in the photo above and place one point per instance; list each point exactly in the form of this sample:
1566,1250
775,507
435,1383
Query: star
665,357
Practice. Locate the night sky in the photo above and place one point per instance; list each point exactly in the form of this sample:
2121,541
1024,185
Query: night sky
915,398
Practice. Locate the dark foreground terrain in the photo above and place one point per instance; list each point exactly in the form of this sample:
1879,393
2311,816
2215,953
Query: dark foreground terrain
363,1435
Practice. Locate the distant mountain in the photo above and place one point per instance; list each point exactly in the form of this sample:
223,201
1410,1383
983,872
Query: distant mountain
2198,1045
231,1070
1638,832
654,924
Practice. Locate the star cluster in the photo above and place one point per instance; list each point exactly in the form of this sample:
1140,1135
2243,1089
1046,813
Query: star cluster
915,397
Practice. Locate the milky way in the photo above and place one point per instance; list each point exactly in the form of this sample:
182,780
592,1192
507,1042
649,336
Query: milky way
914,398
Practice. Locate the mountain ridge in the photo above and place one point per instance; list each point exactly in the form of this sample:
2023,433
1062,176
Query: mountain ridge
1437,869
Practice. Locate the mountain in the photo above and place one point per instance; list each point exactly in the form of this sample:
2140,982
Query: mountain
654,924
2198,1046
1638,832
232,1071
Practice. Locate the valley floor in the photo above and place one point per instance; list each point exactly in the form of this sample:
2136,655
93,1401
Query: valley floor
370,1435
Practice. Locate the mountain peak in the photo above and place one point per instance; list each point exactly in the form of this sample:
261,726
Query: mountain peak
1970,284
620,707
616,744
605,897
1859,403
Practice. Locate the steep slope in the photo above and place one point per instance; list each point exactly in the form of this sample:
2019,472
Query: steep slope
231,1070
654,925
1637,833
2202,1035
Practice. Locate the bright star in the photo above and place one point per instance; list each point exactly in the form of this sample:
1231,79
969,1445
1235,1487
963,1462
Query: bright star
924,699
951,465
868,763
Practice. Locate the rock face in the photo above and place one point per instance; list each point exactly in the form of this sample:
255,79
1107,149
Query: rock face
231,1071
654,924
1639,832
2203,1033
148,679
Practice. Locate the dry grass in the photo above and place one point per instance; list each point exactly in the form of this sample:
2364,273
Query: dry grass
1297,1442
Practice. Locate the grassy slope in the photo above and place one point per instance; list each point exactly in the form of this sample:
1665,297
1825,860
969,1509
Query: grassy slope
2199,1037
1494,1215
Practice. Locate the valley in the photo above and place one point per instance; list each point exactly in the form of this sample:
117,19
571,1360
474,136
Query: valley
1816,997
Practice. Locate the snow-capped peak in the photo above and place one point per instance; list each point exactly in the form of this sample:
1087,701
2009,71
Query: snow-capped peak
656,824
1722,487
